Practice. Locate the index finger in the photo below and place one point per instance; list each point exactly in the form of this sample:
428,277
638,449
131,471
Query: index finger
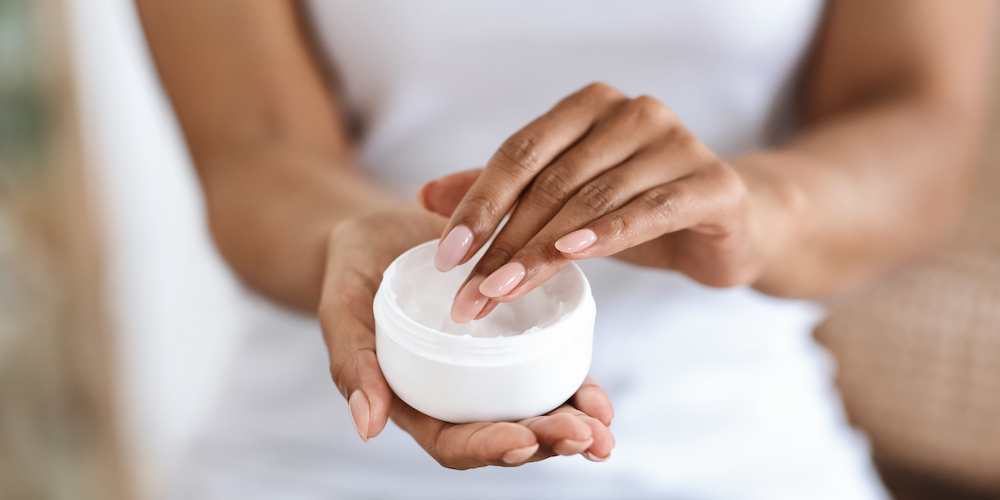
513,167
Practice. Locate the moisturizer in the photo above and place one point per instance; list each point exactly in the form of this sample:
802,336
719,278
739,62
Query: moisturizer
524,359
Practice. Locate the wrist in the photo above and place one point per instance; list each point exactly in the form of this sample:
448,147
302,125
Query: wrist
777,207
367,242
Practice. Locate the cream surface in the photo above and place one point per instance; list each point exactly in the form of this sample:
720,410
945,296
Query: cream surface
425,295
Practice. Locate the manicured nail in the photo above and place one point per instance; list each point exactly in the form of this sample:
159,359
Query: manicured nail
359,413
469,302
503,280
567,447
519,455
453,248
577,241
488,308
594,458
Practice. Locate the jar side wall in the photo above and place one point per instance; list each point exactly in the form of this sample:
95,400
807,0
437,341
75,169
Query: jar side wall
460,394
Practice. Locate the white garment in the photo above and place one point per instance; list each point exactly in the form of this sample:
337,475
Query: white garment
717,393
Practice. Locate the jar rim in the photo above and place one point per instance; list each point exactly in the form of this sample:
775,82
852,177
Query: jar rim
414,334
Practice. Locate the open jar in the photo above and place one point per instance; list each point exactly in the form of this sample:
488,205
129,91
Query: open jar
524,359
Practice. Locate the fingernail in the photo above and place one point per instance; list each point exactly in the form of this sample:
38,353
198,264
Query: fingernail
569,447
489,307
519,455
577,241
359,413
503,280
594,458
469,302
453,248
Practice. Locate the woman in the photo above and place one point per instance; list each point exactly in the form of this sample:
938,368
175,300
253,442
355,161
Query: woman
718,393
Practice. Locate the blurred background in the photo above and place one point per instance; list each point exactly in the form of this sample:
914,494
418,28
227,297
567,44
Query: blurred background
117,315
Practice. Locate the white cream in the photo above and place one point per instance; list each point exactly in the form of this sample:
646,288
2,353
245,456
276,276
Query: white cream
425,295
523,359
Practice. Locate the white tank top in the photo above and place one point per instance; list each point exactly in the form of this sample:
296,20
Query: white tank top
717,393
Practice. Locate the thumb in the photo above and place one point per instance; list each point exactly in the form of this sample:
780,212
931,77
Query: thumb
350,340
443,195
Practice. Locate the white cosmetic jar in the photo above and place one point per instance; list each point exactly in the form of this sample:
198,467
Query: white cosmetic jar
524,359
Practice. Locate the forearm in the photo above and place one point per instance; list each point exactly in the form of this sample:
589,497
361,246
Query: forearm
892,110
271,211
859,192
266,134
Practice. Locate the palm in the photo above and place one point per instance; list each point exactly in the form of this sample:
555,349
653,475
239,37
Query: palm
359,253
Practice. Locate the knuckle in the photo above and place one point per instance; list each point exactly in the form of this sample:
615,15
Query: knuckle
729,192
662,202
551,188
598,196
732,190
540,254
686,144
521,154
621,227
602,91
480,210
649,110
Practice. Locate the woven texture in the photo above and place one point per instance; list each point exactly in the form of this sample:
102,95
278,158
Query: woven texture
919,352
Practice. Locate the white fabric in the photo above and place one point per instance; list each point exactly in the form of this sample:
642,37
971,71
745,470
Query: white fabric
717,393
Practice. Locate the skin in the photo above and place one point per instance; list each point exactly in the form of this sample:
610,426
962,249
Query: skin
879,165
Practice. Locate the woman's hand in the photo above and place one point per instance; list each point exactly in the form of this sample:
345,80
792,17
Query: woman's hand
599,174
360,249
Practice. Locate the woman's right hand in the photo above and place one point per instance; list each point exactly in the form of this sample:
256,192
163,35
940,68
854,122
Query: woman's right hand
360,249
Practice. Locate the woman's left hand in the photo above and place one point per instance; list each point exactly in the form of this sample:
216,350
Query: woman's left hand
599,174
359,250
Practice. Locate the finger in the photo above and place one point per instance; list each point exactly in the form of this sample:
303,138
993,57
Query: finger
490,306
560,432
601,442
354,367
540,258
442,196
466,446
512,168
604,441
614,139
593,401
348,326
706,203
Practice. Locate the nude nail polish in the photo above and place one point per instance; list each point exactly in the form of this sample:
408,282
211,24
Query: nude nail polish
566,447
469,302
503,280
519,455
594,458
577,241
359,413
453,248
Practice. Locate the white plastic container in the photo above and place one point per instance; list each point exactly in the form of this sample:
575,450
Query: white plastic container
524,359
